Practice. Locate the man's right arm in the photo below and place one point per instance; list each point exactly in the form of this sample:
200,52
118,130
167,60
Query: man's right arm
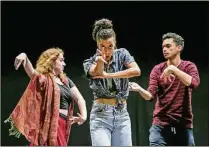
151,91
145,94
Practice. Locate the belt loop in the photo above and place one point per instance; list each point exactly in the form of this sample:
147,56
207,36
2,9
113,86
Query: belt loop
106,107
120,104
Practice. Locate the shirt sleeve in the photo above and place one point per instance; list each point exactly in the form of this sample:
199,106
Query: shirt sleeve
126,57
71,83
192,70
87,65
153,82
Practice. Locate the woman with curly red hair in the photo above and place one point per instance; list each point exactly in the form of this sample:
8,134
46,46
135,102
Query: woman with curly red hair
44,114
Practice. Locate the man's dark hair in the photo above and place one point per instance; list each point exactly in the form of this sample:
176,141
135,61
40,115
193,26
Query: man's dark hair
176,38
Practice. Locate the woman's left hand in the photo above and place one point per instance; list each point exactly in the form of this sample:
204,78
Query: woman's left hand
78,119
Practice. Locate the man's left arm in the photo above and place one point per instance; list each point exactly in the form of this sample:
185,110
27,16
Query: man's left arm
190,77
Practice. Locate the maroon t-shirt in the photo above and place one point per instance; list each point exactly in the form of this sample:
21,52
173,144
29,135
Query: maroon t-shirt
173,105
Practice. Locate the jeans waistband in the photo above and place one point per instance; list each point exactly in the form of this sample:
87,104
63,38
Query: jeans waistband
110,101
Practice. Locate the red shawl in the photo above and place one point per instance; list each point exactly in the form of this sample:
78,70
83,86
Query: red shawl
37,112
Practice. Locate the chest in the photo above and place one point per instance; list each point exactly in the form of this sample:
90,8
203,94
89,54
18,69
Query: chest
172,84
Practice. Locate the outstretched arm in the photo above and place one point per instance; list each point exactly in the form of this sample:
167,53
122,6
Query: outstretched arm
144,93
23,59
152,88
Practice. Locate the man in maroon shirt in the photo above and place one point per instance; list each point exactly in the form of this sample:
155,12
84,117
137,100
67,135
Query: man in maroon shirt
171,83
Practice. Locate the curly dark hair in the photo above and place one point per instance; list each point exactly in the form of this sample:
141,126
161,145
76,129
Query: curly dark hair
103,29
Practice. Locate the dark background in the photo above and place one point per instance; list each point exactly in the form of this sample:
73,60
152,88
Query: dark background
32,27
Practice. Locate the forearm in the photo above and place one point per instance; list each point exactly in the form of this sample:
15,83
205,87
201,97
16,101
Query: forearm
82,107
144,93
29,68
99,68
128,73
79,100
184,77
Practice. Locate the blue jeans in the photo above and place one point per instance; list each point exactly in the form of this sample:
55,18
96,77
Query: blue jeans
110,125
171,136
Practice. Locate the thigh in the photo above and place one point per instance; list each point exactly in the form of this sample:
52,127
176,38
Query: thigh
100,126
122,135
185,137
156,136
100,135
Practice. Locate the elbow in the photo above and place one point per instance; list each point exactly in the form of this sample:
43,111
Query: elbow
31,74
98,72
150,99
95,73
84,101
137,72
194,83
134,72
197,83
188,84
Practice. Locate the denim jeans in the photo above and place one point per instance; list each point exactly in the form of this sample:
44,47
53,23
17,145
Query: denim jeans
171,136
110,125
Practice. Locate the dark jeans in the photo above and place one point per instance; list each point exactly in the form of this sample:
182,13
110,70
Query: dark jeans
171,136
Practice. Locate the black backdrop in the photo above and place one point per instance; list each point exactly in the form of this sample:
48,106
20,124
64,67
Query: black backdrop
32,27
